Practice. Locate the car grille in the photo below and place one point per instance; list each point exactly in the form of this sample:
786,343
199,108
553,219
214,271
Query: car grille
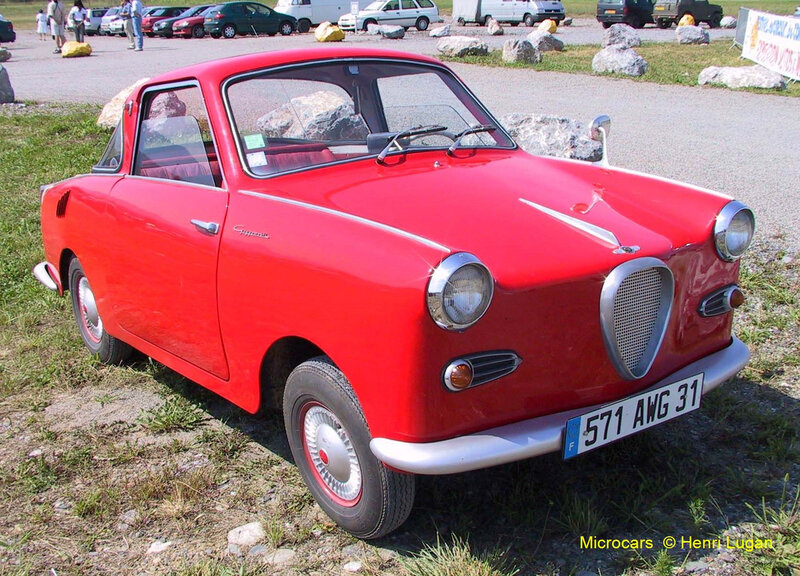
488,366
634,309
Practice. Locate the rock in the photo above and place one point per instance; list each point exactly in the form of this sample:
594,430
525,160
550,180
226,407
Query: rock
696,566
460,46
6,91
352,550
112,111
158,547
35,453
515,50
393,32
552,136
318,116
62,505
73,49
619,60
494,28
128,519
327,32
727,22
247,535
440,32
374,29
234,550
686,20
257,550
5,55
167,105
621,35
545,41
742,77
352,567
566,22
281,557
548,26
692,35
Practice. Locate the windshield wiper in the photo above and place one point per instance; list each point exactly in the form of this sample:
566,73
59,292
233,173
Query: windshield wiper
466,132
417,131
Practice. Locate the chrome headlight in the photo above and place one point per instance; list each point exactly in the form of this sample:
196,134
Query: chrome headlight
459,291
734,230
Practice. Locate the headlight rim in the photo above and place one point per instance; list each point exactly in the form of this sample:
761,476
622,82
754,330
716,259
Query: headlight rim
438,282
722,225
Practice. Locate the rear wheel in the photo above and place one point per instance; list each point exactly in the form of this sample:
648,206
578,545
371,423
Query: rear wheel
663,24
715,20
286,28
329,439
229,31
422,24
304,25
636,22
485,20
528,20
198,31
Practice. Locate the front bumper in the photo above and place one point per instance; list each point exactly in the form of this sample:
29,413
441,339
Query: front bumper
536,436
47,274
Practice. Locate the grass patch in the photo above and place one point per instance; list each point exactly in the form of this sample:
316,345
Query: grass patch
456,558
176,413
669,63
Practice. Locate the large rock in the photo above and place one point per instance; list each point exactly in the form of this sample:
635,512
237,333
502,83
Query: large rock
460,46
73,49
742,77
566,22
544,41
692,35
112,111
247,535
318,116
548,26
516,50
440,32
374,29
494,28
392,32
552,136
327,32
619,60
727,22
6,91
167,105
5,55
621,35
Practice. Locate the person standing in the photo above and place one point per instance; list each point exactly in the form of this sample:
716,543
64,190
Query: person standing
77,17
56,15
137,11
127,23
41,25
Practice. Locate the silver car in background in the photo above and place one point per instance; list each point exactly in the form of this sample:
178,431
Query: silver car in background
405,13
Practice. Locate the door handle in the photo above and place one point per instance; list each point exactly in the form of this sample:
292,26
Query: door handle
208,227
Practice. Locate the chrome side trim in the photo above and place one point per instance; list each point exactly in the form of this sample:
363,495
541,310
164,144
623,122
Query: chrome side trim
536,436
352,217
41,273
600,233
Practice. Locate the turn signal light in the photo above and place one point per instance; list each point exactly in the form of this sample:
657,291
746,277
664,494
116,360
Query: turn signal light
458,375
736,298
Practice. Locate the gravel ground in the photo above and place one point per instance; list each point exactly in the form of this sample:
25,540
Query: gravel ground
734,142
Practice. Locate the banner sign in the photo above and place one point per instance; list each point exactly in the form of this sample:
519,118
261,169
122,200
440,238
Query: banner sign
774,42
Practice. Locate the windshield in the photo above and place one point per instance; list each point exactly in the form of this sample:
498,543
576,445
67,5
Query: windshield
374,5
314,115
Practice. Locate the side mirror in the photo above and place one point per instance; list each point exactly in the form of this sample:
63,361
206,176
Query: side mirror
601,127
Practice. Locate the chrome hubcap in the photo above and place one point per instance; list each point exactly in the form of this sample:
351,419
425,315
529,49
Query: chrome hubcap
332,453
88,310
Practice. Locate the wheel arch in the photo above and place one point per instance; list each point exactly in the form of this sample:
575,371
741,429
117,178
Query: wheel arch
63,267
283,356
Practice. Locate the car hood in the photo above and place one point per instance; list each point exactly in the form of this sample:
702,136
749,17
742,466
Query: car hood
519,214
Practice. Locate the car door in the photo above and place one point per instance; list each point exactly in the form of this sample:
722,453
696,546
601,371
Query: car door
409,12
391,13
264,21
166,217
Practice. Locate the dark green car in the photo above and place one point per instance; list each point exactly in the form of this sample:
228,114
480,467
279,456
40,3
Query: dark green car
667,12
247,18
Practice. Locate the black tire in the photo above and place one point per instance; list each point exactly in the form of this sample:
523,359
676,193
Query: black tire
216,35
422,24
528,20
636,22
460,21
198,31
286,28
304,25
149,35
606,25
367,22
229,31
663,24
715,20
100,343
373,500
486,20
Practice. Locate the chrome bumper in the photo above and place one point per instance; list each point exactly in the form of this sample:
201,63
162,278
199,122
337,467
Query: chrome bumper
532,437
44,273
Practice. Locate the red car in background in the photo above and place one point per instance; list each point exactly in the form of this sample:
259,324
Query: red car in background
192,27
349,234
158,13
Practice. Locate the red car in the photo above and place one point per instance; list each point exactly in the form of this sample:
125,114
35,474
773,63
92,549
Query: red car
350,234
158,13
192,27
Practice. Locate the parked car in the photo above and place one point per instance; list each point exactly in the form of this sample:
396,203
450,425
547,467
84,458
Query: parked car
635,13
312,12
293,221
116,27
405,13
797,11
667,12
157,14
234,18
192,26
111,15
528,12
93,19
7,33
164,27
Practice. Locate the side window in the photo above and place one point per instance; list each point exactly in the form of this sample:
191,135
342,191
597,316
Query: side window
425,3
112,157
408,5
174,140
393,5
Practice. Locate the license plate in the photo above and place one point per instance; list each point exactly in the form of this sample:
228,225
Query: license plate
611,11
614,421
660,8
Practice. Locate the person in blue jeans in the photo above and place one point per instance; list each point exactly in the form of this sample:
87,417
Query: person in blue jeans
137,11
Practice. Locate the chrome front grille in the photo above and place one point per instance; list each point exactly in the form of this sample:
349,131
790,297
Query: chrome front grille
634,310
488,366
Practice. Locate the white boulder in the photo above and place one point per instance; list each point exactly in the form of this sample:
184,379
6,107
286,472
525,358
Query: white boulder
742,77
692,35
621,35
544,41
619,60
460,46
440,32
516,50
552,136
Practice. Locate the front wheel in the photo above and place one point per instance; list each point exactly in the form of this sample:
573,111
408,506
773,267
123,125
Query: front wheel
715,20
367,23
198,31
422,23
329,439
229,31
663,24
606,25
108,349
528,20
304,25
286,28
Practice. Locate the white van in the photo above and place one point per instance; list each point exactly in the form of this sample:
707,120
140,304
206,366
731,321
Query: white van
310,12
529,12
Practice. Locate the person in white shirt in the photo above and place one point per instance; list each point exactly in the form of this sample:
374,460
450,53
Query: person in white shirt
137,11
56,14
77,19
41,25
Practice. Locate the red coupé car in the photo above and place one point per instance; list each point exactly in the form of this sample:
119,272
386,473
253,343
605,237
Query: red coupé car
351,234
157,14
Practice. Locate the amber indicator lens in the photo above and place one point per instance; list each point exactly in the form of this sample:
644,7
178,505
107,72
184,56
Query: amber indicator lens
736,298
458,375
